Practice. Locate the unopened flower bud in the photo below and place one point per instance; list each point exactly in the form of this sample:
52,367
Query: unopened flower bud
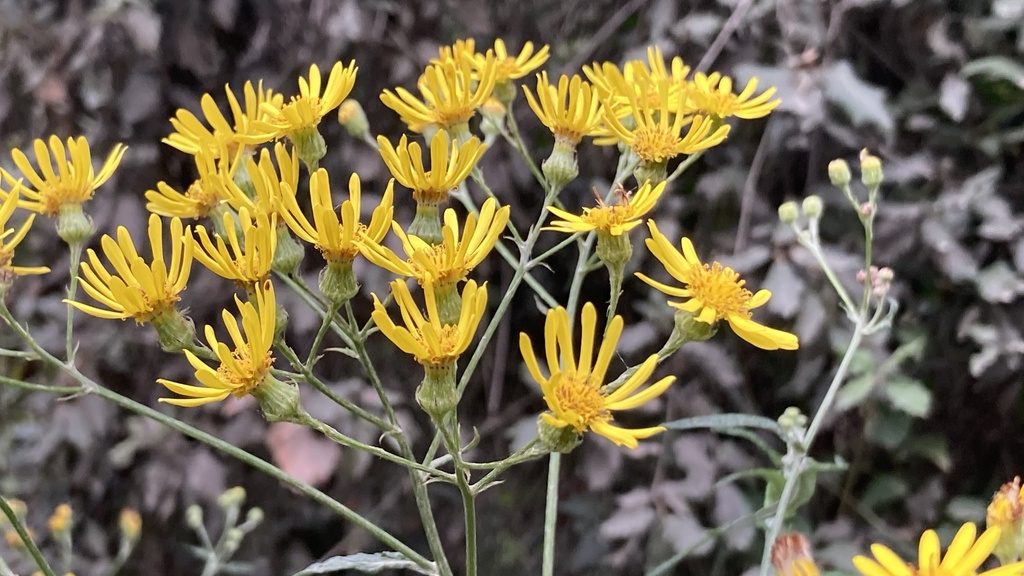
813,207
232,497
338,282
438,394
505,92
867,210
130,524
353,118
886,274
288,253
655,172
870,169
61,520
839,173
194,517
614,250
560,168
13,539
449,302
791,556
493,113
232,540
789,212
793,422
254,517
688,329
279,401
562,439
174,330
73,225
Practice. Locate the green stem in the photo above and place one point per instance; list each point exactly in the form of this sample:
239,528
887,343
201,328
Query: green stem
5,570
513,136
684,166
18,354
451,437
527,453
551,514
33,387
69,340
313,302
794,470
615,274
332,309
553,250
813,245
33,550
216,443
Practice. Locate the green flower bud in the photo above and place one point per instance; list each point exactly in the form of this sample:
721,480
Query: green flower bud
288,254
232,497
839,173
194,517
813,207
560,168
232,540
793,423
449,303
353,118
438,394
278,400
789,212
426,224
558,439
505,92
688,329
174,330
73,225
310,147
254,517
243,180
493,113
338,282
870,169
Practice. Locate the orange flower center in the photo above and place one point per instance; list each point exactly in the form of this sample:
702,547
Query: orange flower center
247,374
655,143
581,402
721,288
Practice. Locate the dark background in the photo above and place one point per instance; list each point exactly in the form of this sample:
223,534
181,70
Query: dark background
934,88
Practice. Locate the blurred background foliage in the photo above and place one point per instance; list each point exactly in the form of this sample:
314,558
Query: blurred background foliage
928,426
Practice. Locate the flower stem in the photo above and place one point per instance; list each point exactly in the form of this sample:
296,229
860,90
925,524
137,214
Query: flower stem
551,514
332,309
75,249
33,550
218,444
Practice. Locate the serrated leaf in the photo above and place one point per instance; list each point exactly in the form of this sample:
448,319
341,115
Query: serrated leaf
365,563
909,396
724,422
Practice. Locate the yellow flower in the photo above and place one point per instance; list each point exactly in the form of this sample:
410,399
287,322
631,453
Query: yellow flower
462,49
656,135
338,235
269,183
244,365
450,164
613,219
712,94
615,86
451,92
245,260
575,391
192,136
72,183
570,111
516,66
10,238
202,197
1006,512
138,289
451,260
315,100
713,292
964,557
791,556
425,338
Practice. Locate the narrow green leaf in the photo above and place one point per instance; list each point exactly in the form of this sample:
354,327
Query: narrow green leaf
365,563
723,422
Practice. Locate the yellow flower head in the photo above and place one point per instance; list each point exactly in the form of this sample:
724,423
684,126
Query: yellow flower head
246,260
1007,506
338,236
10,238
138,289
72,183
200,198
964,557
219,135
612,219
575,391
451,92
425,338
304,112
712,94
615,85
791,556
515,66
270,183
451,260
244,364
462,49
713,292
570,111
450,164
657,132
